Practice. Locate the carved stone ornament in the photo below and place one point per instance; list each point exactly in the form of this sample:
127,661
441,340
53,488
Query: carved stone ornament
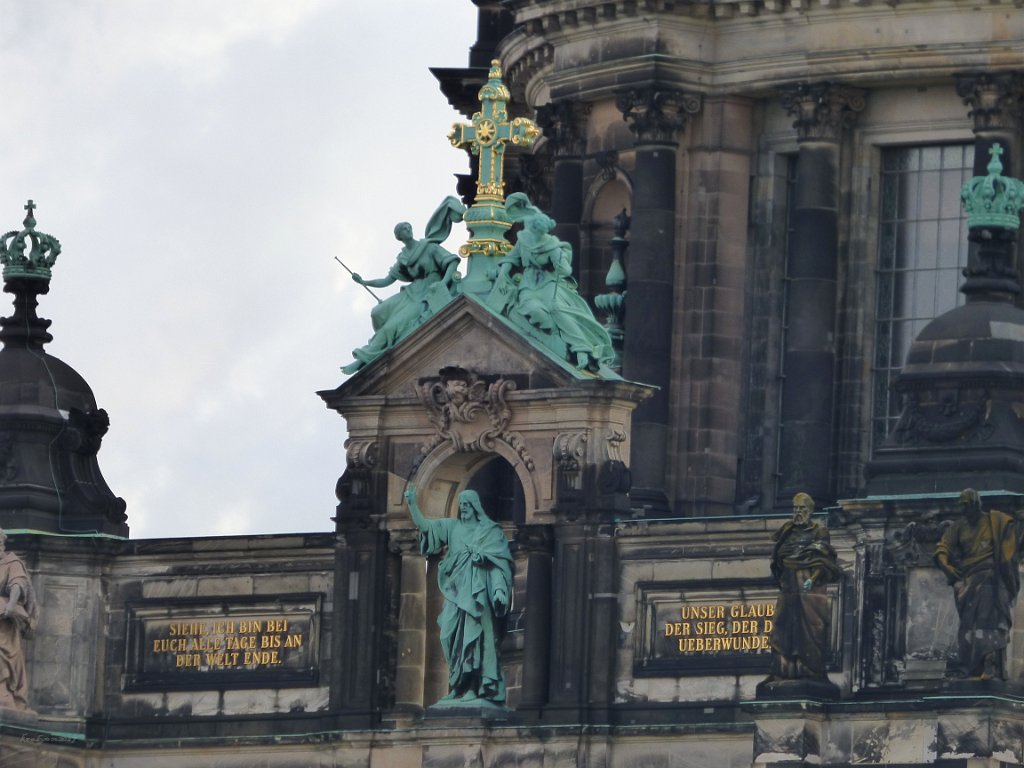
361,455
914,545
822,110
564,125
655,115
570,449
470,412
996,100
85,430
944,416
614,476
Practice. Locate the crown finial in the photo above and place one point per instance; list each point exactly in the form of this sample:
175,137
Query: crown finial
42,250
993,201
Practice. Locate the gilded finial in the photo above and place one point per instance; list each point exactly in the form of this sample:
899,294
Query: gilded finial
42,250
993,201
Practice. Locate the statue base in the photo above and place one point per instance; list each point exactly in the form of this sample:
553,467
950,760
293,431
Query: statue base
480,709
977,686
797,688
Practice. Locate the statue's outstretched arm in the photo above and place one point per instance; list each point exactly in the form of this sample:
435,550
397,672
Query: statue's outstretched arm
414,507
380,282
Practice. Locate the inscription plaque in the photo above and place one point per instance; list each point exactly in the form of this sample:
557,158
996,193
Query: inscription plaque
229,642
697,628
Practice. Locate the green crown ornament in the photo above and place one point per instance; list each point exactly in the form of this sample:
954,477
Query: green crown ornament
993,201
42,250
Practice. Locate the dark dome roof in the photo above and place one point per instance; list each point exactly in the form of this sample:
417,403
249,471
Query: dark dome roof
979,334
31,377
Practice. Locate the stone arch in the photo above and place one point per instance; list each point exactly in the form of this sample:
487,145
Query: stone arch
607,195
446,471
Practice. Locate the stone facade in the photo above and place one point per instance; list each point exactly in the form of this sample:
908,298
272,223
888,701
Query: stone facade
755,145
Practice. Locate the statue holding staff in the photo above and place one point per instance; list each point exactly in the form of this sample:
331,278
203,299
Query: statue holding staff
427,270
475,577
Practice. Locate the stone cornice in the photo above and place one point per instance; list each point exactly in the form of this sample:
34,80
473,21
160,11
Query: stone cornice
754,52
545,17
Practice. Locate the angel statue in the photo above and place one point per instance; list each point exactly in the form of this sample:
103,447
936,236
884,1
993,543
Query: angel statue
534,288
429,271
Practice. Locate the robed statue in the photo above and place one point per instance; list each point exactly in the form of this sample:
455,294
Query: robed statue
429,273
534,288
803,563
475,577
980,555
17,617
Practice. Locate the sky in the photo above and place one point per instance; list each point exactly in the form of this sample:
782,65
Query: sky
202,163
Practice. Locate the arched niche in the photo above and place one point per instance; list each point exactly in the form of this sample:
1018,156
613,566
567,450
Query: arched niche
445,472
606,197
503,496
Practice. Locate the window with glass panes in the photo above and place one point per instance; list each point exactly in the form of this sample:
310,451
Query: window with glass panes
921,251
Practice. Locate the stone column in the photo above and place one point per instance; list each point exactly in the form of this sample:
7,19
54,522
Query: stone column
584,617
996,104
361,597
535,542
568,663
823,111
656,117
412,630
360,602
564,125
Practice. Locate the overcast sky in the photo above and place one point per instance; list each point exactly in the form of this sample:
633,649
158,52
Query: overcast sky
202,162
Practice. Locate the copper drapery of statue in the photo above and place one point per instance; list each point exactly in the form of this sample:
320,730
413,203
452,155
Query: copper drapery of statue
803,563
429,271
17,617
535,290
475,577
980,554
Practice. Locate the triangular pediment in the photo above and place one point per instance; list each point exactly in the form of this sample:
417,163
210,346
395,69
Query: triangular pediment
468,335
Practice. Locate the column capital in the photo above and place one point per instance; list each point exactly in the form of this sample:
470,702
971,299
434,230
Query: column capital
404,542
657,115
534,538
822,110
564,125
996,99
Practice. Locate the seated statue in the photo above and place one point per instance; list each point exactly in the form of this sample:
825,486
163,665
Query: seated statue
545,302
429,271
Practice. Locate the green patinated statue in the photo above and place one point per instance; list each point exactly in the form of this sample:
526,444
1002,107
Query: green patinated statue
534,288
429,271
475,577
